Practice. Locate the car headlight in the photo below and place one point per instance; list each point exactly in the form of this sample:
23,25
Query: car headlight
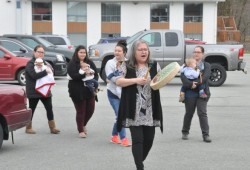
59,58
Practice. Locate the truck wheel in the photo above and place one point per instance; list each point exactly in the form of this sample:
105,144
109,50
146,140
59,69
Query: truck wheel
103,75
1,136
21,77
218,75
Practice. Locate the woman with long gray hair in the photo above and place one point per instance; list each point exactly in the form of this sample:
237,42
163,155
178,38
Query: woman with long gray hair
140,107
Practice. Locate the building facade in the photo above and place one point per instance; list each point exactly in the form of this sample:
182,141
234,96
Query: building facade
86,21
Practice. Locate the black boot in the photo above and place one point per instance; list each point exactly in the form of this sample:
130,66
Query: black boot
185,136
207,139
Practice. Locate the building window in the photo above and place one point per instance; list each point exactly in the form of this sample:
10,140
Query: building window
77,12
111,12
78,39
41,11
159,12
193,12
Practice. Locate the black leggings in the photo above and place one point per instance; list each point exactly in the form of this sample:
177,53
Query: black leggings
47,102
142,141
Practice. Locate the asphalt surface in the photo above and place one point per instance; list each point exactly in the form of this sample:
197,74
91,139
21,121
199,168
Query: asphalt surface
229,120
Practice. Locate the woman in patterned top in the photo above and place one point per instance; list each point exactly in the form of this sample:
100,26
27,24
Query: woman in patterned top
140,106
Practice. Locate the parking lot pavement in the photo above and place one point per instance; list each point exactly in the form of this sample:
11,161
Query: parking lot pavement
229,120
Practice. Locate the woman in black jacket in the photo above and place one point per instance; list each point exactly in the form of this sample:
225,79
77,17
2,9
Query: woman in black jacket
81,95
31,77
193,100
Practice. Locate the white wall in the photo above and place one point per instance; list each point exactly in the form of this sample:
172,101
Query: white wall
26,8
210,22
134,17
93,22
7,17
176,18
59,17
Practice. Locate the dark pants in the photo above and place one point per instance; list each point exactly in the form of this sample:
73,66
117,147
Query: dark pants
142,141
199,86
47,102
191,103
84,111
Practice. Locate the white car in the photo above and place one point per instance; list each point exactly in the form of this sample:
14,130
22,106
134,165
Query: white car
58,40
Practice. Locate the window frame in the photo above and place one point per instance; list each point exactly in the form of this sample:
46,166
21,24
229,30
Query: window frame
108,17
193,18
42,15
159,16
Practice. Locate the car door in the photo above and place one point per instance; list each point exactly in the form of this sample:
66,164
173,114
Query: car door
154,40
15,48
173,48
6,64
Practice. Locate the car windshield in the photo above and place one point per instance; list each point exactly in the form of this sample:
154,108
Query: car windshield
131,39
45,42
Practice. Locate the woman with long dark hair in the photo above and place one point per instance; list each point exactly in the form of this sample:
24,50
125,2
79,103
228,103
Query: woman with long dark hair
81,95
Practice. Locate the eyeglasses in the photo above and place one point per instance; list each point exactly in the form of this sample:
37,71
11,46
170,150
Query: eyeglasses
143,49
197,52
40,52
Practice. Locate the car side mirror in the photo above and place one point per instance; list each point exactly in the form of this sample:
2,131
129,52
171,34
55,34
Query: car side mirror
23,50
6,56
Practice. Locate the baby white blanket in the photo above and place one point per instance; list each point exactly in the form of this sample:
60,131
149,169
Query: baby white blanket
43,85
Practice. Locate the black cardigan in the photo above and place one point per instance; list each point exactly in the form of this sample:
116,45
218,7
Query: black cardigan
127,108
31,77
77,90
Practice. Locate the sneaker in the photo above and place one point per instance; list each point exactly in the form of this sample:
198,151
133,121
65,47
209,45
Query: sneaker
182,97
125,142
115,139
82,135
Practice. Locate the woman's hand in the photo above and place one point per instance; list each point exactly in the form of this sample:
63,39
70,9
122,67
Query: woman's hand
141,81
194,85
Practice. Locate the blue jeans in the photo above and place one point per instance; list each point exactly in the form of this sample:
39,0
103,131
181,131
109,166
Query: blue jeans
115,102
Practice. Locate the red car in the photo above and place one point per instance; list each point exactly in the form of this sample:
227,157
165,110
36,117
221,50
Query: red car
14,113
12,67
